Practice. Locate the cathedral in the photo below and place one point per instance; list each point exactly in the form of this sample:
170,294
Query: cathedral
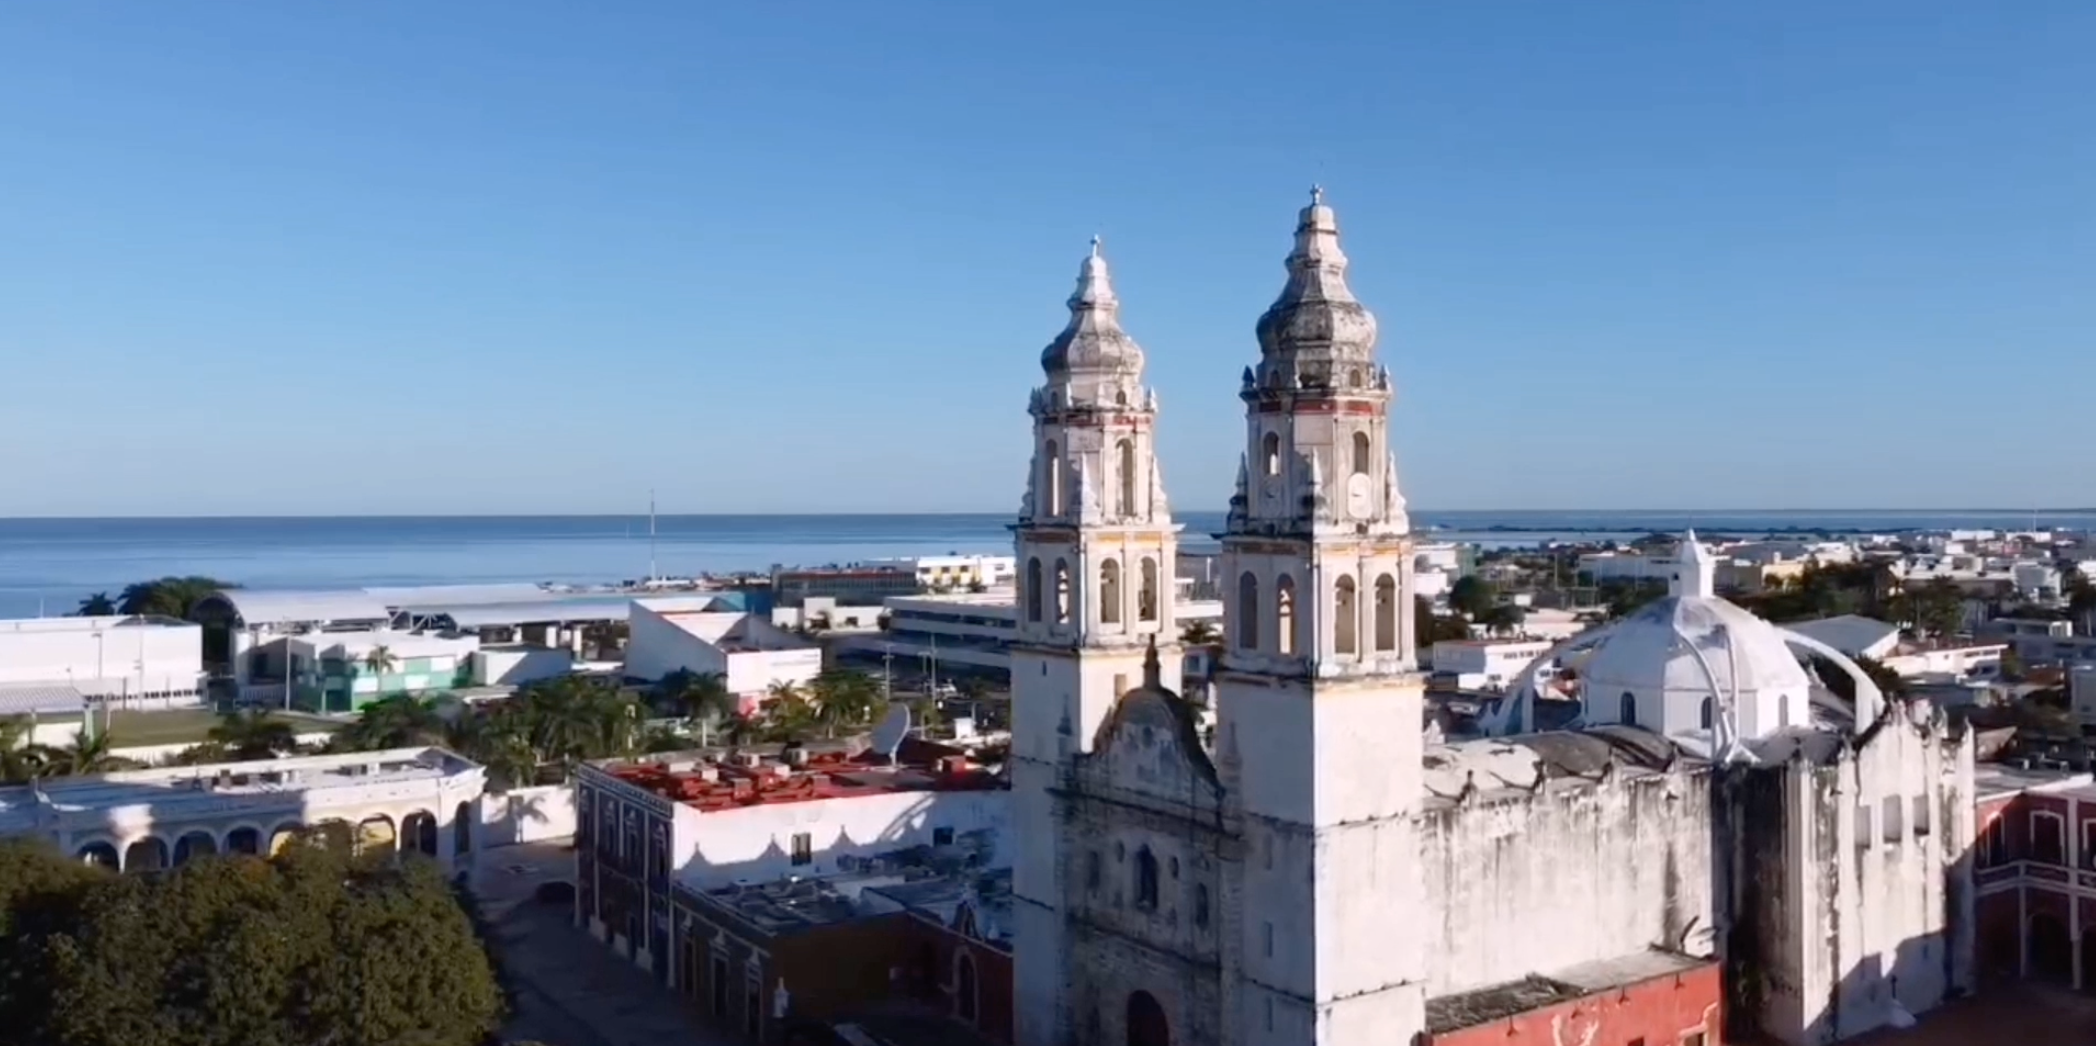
1708,854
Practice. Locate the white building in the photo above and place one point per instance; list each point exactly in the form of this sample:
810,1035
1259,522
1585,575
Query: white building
410,798
1853,634
976,629
55,664
1486,664
343,671
947,573
750,653
1317,873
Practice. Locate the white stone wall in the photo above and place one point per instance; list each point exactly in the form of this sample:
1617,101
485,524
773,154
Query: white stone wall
1525,884
526,815
717,848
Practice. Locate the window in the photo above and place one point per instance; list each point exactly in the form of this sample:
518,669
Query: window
1284,614
1895,820
1146,593
1270,453
2048,837
1145,879
1201,905
1052,478
803,848
1247,612
1994,843
1345,617
1865,833
1110,592
942,837
1120,684
1033,589
965,1000
1126,505
1091,870
1361,454
1921,816
1709,719
1266,935
1626,710
2088,844
1062,591
1386,613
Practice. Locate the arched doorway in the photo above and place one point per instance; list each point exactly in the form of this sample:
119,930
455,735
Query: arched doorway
967,1001
193,845
2051,950
418,832
244,841
1147,1025
283,837
146,855
462,830
102,855
375,835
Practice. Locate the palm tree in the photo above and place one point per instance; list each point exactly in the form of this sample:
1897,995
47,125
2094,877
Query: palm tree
394,721
1200,633
705,700
20,760
844,699
87,753
97,605
380,661
255,734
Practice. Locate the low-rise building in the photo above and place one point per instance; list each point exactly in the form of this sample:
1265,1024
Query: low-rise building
2039,641
749,652
859,584
665,848
344,671
417,799
976,629
1486,664
62,663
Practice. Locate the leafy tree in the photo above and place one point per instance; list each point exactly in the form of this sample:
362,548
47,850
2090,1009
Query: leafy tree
311,946
168,596
1940,607
1429,628
703,697
97,605
89,752
1200,633
394,721
1503,618
1472,596
20,760
1625,598
844,699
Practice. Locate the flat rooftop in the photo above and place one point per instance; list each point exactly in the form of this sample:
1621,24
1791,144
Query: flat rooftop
253,777
48,625
1511,998
930,880
705,781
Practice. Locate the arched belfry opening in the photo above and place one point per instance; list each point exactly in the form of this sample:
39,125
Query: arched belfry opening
1147,1025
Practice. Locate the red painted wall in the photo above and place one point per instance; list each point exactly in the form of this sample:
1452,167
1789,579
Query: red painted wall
1999,942
1663,1011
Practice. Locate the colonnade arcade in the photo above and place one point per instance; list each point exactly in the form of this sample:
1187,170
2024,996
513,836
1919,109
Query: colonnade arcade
410,828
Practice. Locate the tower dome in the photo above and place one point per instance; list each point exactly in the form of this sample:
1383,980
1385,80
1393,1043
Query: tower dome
1316,323
1092,343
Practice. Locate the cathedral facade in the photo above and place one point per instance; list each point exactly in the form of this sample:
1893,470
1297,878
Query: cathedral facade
1302,863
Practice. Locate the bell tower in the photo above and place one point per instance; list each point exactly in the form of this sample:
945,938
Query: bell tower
1321,706
1096,550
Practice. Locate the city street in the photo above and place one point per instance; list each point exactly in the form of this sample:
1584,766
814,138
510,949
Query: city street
570,990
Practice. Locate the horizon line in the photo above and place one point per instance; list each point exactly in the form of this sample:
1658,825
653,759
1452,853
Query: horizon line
1416,512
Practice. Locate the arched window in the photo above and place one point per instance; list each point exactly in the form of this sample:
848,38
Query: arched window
1052,478
1361,454
1146,594
1346,617
1270,454
1147,1025
1091,870
1062,591
1708,705
1110,592
1386,613
1201,905
1126,506
966,1002
1284,614
1626,712
1033,589
1145,879
1247,612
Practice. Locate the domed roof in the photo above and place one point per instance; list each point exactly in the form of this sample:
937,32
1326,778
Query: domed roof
1093,341
1656,650
1317,320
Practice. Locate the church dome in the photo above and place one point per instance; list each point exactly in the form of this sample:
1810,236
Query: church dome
1316,322
1093,342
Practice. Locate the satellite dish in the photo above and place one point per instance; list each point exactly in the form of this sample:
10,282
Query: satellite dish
888,736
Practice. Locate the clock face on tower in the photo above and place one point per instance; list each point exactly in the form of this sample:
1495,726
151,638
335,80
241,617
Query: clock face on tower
1270,491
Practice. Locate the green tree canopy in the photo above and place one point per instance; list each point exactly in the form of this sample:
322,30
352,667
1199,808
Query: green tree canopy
97,605
168,596
1472,596
311,946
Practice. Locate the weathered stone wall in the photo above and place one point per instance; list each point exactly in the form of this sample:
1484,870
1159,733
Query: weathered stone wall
1531,883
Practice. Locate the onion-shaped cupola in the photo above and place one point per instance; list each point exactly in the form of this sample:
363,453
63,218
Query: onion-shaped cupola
1092,345
1316,325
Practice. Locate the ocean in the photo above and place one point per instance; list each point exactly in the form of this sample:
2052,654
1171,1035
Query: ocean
49,565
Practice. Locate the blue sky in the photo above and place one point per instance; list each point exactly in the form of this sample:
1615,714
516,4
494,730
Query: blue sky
802,256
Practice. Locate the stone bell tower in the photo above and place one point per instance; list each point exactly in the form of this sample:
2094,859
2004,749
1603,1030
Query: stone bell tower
1320,702
1096,550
